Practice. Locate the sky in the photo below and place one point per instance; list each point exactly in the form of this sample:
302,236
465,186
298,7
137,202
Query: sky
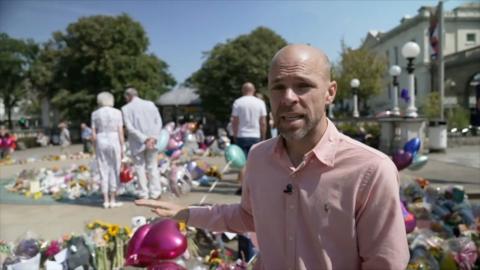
181,31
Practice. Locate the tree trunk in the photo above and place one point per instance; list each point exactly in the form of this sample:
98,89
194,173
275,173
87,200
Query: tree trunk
9,116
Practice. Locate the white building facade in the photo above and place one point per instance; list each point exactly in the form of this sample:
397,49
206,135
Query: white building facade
461,33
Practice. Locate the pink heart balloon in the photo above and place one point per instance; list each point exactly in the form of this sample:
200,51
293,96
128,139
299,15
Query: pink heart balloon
170,126
132,257
164,241
402,159
409,219
172,144
176,154
165,266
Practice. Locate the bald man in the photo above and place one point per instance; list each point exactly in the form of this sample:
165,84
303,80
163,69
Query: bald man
249,125
249,121
316,198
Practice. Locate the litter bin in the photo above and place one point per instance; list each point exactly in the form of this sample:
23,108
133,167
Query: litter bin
437,135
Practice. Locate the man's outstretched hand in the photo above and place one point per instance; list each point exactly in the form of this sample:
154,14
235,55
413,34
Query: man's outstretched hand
166,209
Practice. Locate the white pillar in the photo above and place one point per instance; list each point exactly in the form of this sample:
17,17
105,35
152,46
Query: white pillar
411,109
396,109
355,106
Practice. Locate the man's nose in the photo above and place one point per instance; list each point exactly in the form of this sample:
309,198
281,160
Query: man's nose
289,97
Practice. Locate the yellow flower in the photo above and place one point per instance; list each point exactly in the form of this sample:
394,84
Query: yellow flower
37,195
28,194
113,230
182,225
215,261
106,237
91,225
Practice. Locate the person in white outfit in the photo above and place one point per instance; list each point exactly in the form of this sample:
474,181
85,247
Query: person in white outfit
143,123
107,133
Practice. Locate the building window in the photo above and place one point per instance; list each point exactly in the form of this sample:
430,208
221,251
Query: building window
387,54
471,38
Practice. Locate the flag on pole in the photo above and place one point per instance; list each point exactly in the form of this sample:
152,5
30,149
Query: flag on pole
433,31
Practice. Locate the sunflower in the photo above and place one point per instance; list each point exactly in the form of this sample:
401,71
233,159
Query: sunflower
182,226
113,230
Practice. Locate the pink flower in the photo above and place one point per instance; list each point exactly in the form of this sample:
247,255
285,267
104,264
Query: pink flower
52,249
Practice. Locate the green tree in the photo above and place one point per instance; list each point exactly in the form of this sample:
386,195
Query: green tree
364,65
99,53
16,58
431,107
230,64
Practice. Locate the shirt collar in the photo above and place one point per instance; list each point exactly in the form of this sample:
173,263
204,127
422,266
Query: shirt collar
324,150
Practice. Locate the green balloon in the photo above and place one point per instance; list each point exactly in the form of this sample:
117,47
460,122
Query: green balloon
418,162
235,156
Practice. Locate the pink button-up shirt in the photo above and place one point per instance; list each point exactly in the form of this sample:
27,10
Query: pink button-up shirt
343,212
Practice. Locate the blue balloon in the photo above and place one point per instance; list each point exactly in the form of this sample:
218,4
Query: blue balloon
162,140
235,156
418,162
412,146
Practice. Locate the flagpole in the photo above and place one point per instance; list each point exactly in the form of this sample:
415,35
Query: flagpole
441,64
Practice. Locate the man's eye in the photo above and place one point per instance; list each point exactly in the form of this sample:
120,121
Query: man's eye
278,87
304,86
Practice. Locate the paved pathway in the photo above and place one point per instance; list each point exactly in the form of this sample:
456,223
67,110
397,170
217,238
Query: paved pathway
457,166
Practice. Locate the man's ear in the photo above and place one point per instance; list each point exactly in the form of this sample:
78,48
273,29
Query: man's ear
331,92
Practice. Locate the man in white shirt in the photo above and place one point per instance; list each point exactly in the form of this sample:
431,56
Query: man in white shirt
249,124
143,123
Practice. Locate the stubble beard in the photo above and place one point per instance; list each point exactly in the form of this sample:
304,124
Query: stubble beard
298,134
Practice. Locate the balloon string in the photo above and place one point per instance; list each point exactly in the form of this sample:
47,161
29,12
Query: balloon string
215,183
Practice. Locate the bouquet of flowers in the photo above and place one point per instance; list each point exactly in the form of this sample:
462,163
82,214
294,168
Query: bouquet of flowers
109,241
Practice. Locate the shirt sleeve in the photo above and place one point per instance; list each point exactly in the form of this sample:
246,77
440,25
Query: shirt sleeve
235,111
381,230
235,218
131,130
264,109
93,121
157,119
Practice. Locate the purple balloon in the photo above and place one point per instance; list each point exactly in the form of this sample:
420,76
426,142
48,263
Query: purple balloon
402,159
191,166
132,257
209,140
197,173
166,265
405,95
164,241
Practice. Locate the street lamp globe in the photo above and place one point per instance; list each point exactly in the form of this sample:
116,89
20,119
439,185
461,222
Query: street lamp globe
410,50
395,70
355,83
